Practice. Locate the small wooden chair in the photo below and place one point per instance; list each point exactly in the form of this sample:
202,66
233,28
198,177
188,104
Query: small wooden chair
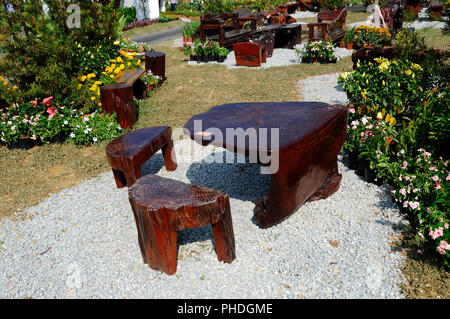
250,54
334,30
127,153
163,206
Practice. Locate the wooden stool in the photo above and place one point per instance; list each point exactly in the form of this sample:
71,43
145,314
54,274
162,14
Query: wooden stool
127,153
156,62
250,53
162,206
119,98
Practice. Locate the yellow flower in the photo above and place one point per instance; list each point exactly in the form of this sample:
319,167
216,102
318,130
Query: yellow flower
91,75
117,42
79,86
119,60
129,63
379,115
112,60
388,117
122,66
392,121
83,78
138,61
98,83
14,88
111,76
408,72
99,104
93,98
116,71
93,88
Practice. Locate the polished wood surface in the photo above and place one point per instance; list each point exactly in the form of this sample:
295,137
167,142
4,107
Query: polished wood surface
163,206
311,135
156,62
127,153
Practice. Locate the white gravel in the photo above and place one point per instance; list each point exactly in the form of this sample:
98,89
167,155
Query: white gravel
82,242
424,24
280,57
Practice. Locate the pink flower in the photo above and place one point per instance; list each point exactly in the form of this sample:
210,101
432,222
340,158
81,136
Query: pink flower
48,100
51,112
435,178
437,186
402,191
415,190
448,177
436,233
352,110
414,205
405,204
446,226
405,165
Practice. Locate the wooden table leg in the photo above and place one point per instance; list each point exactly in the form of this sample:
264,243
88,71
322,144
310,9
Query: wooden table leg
306,168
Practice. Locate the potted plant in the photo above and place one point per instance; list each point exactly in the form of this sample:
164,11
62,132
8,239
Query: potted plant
151,81
222,54
318,51
349,38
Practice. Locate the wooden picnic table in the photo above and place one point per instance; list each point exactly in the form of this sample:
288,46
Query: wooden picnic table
311,135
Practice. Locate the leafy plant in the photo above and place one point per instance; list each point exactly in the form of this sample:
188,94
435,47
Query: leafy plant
372,35
318,50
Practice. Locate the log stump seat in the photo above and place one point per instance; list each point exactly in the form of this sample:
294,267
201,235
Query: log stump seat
250,54
163,206
127,153
119,97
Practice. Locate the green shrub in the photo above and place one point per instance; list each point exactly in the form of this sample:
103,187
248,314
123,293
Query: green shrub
39,57
388,87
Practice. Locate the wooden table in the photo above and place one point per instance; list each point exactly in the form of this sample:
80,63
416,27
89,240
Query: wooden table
286,35
311,135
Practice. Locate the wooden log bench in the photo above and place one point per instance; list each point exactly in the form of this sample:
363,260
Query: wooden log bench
249,54
119,97
162,207
127,153
156,62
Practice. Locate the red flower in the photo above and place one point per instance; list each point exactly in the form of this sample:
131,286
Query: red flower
51,112
48,100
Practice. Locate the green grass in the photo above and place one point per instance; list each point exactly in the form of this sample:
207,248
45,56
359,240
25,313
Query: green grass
435,38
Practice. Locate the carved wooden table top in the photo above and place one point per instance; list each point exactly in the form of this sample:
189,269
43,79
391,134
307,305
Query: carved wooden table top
311,135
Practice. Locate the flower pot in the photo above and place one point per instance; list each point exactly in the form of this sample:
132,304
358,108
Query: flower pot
204,58
192,58
220,59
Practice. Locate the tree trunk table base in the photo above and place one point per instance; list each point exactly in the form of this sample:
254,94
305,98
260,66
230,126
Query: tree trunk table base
127,153
162,207
311,135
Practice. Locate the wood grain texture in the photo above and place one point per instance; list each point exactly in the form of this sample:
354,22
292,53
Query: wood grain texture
162,207
127,153
311,135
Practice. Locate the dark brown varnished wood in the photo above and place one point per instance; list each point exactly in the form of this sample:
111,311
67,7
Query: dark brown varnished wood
127,153
369,54
311,135
249,54
162,207
156,62
119,99
333,30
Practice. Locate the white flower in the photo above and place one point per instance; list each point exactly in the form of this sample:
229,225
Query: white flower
66,122
72,135
94,139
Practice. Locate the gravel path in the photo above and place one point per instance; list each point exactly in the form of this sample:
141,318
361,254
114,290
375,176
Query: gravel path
82,242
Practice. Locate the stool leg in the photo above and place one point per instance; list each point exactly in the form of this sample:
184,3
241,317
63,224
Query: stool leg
119,177
138,218
169,156
160,242
224,236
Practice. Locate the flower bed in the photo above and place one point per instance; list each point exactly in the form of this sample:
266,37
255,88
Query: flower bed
371,35
34,123
145,22
207,51
399,132
318,51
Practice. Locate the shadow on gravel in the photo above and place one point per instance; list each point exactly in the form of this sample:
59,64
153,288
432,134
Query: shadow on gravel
239,180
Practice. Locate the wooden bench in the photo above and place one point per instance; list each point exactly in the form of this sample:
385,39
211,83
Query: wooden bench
162,206
250,54
119,97
286,35
214,26
127,153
